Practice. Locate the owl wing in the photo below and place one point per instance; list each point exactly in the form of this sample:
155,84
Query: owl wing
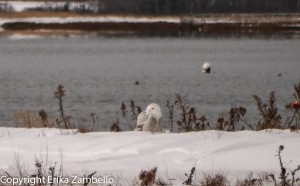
142,117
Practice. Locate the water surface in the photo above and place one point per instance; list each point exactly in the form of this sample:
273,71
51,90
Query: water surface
99,73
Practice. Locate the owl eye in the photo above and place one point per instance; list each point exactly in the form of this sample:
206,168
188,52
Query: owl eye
152,108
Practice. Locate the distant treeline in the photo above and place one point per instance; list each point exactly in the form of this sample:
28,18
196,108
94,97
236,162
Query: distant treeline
189,7
169,7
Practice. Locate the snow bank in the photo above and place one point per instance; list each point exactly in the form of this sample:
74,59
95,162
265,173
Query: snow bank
125,154
97,19
20,6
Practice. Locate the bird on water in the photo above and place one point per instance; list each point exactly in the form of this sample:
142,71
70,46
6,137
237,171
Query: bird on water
206,67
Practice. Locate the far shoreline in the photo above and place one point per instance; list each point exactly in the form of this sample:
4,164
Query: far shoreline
30,22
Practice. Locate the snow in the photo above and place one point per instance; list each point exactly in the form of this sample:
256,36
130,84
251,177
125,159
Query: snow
125,154
98,19
23,36
21,6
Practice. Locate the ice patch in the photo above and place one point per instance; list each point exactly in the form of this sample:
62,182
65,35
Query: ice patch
23,37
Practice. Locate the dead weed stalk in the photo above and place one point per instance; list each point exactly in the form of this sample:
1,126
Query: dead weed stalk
134,110
59,95
284,179
189,180
171,114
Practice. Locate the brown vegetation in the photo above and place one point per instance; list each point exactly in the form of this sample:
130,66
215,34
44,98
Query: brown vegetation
133,109
269,113
294,107
186,117
123,27
197,24
27,119
287,177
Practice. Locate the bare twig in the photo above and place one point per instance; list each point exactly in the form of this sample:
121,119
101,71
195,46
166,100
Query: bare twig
124,115
171,115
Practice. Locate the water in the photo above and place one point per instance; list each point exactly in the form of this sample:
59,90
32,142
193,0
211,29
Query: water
98,73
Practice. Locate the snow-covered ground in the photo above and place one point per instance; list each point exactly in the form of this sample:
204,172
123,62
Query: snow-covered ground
20,6
92,19
125,154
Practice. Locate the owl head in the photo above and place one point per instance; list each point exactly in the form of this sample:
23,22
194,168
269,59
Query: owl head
154,111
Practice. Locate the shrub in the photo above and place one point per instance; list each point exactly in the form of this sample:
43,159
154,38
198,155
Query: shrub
147,178
269,113
294,107
188,120
234,117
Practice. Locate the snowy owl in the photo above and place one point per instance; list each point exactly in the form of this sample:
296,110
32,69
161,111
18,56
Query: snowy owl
149,120
206,67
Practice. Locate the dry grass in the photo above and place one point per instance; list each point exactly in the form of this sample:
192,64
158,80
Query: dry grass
27,119
261,179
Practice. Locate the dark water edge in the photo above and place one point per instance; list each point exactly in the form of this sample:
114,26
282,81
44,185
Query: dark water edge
151,34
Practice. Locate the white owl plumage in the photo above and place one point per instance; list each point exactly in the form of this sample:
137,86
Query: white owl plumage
149,120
